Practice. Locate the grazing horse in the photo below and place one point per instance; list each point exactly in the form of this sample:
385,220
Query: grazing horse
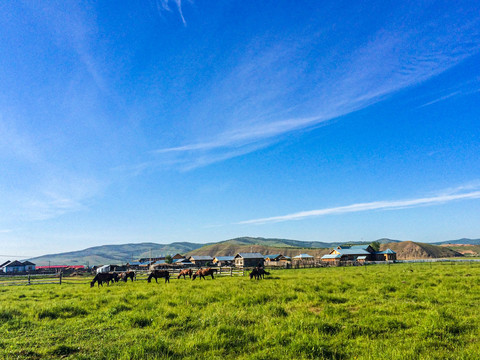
204,272
258,273
159,274
100,278
184,273
128,274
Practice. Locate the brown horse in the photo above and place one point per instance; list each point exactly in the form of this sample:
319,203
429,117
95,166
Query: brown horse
159,274
101,278
258,273
184,273
128,274
204,272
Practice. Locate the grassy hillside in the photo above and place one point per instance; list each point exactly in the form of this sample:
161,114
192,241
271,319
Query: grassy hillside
466,250
463,241
114,254
226,249
283,243
117,254
403,311
413,250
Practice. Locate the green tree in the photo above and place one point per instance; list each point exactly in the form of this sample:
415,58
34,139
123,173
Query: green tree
168,259
375,245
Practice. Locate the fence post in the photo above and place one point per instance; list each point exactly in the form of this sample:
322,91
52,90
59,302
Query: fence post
243,271
60,279
231,271
28,279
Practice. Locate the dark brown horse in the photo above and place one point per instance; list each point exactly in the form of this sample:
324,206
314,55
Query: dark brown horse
159,274
128,274
101,278
258,273
184,273
204,272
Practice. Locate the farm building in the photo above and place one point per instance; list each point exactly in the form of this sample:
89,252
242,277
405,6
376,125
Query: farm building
2,266
277,260
249,259
182,262
178,257
386,255
29,266
358,253
224,260
16,266
303,259
201,260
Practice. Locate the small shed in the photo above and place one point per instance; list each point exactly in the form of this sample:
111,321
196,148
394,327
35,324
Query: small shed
29,266
331,258
201,260
182,262
224,260
273,259
249,259
386,255
2,266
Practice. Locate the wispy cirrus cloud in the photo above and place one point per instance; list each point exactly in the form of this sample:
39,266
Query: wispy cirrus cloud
163,5
369,206
271,93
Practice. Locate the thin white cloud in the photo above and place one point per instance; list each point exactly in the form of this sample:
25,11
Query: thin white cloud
376,205
247,102
441,98
163,5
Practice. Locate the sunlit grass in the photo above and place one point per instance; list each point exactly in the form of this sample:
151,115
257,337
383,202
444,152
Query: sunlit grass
402,311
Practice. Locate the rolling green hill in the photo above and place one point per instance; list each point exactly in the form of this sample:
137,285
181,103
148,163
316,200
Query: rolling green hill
114,254
120,254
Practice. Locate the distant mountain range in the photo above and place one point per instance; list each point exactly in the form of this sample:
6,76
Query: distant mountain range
114,254
463,241
120,254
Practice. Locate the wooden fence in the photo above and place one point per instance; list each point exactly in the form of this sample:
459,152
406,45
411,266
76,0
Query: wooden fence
141,275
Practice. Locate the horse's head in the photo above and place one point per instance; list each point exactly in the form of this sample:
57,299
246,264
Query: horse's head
194,276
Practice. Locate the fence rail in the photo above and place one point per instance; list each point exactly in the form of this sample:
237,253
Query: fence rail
141,275
39,279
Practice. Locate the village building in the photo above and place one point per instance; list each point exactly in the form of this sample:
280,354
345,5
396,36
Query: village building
12,267
201,260
359,253
184,262
249,260
224,260
303,259
386,255
178,257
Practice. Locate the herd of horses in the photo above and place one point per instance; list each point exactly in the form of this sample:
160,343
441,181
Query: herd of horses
112,277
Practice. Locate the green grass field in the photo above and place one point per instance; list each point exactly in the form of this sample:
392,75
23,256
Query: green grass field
402,311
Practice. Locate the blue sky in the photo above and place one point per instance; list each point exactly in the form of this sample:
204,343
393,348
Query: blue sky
201,121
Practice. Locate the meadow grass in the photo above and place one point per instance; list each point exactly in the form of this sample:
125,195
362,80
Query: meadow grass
402,311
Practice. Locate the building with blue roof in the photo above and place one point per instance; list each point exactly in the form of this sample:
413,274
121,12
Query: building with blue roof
359,253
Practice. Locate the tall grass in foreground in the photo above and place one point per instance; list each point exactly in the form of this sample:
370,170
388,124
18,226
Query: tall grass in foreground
402,311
